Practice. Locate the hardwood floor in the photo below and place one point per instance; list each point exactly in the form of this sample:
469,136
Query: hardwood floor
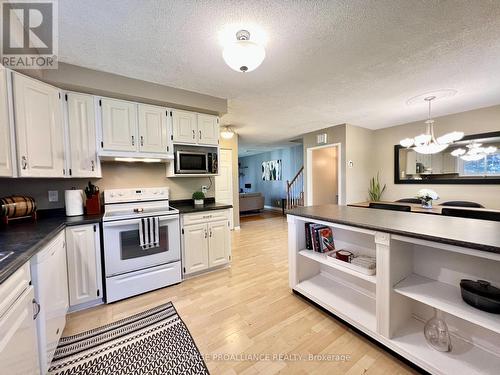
263,215
249,310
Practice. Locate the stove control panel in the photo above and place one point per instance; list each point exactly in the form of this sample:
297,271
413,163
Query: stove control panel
135,195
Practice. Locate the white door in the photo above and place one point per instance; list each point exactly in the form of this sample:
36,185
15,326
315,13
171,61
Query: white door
224,180
82,136
119,125
83,250
208,129
218,243
152,129
184,126
18,341
39,128
6,169
195,248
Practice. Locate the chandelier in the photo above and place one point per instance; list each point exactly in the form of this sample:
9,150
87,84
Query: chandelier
427,143
474,152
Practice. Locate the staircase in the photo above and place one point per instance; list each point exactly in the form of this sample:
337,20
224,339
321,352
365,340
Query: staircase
295,190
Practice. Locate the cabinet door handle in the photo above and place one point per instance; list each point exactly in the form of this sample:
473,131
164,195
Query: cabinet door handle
200,133
24,162
92,165
142,140
210,233
194,134
133,141
36,308
205,234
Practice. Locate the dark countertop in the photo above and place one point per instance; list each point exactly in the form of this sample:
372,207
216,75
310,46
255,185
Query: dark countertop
186,206
26,237
471,233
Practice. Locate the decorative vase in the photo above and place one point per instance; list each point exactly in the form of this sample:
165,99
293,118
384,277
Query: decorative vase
437,334
198,202
427,204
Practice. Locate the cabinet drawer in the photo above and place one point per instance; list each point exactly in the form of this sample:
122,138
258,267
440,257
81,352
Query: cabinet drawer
205,217
13,287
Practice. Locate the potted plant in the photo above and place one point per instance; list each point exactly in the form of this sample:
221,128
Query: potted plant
375,192
426,196
198,197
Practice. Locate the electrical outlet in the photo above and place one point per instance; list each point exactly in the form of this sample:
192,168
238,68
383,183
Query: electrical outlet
204,189
53,196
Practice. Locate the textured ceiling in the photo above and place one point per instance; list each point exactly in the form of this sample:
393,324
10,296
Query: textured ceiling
328,62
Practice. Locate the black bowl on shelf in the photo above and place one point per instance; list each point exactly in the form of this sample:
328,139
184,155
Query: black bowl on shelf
481,295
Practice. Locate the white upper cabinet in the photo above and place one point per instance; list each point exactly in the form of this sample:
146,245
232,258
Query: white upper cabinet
6,165
208,129
119,125
184,126
195,128
153,127
39,128
83,161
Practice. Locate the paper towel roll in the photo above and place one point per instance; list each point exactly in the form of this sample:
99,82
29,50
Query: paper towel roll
74,202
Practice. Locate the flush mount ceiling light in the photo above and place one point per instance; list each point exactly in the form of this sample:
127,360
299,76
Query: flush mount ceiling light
242,54
427,143
475,151
227,132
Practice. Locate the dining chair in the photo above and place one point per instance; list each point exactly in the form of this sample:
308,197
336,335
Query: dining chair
462,204
471,214
409,200
391,207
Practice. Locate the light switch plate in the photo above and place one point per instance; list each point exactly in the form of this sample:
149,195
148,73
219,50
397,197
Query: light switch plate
53,196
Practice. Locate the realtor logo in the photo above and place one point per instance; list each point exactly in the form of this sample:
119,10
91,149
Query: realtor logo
29,34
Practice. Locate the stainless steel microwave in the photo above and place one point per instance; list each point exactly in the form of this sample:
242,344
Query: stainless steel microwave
195,160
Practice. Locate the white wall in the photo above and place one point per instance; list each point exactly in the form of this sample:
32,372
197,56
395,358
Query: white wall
472,122
360,151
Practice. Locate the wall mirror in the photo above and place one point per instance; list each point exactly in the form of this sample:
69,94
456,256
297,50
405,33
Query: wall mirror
475,159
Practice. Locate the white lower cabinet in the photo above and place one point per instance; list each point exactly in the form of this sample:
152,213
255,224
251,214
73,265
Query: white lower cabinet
18,336
83,247
218,243
205,241
195,248
50,279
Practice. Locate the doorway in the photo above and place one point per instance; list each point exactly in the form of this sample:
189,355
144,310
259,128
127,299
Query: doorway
323,175
224,181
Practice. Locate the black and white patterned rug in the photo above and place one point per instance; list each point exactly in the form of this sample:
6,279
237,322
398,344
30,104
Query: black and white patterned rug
154,342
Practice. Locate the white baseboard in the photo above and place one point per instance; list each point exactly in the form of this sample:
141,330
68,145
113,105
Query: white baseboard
273,208
237,228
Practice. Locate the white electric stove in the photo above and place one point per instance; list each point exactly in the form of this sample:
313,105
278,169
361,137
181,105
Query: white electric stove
130,269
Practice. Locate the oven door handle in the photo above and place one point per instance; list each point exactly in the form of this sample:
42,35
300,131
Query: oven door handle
119,223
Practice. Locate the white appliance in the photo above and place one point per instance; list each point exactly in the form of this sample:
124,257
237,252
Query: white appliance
50,278
129,268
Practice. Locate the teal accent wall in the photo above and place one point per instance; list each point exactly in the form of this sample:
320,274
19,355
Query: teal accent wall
250,173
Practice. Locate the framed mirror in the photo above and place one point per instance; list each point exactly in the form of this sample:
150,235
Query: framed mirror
475,159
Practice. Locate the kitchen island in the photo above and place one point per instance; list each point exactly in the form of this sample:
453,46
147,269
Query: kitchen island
420,260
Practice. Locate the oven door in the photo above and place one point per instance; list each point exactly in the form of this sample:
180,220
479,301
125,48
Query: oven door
191,162
122,252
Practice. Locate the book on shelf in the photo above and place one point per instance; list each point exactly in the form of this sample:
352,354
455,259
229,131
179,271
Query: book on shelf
319,238
325,236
